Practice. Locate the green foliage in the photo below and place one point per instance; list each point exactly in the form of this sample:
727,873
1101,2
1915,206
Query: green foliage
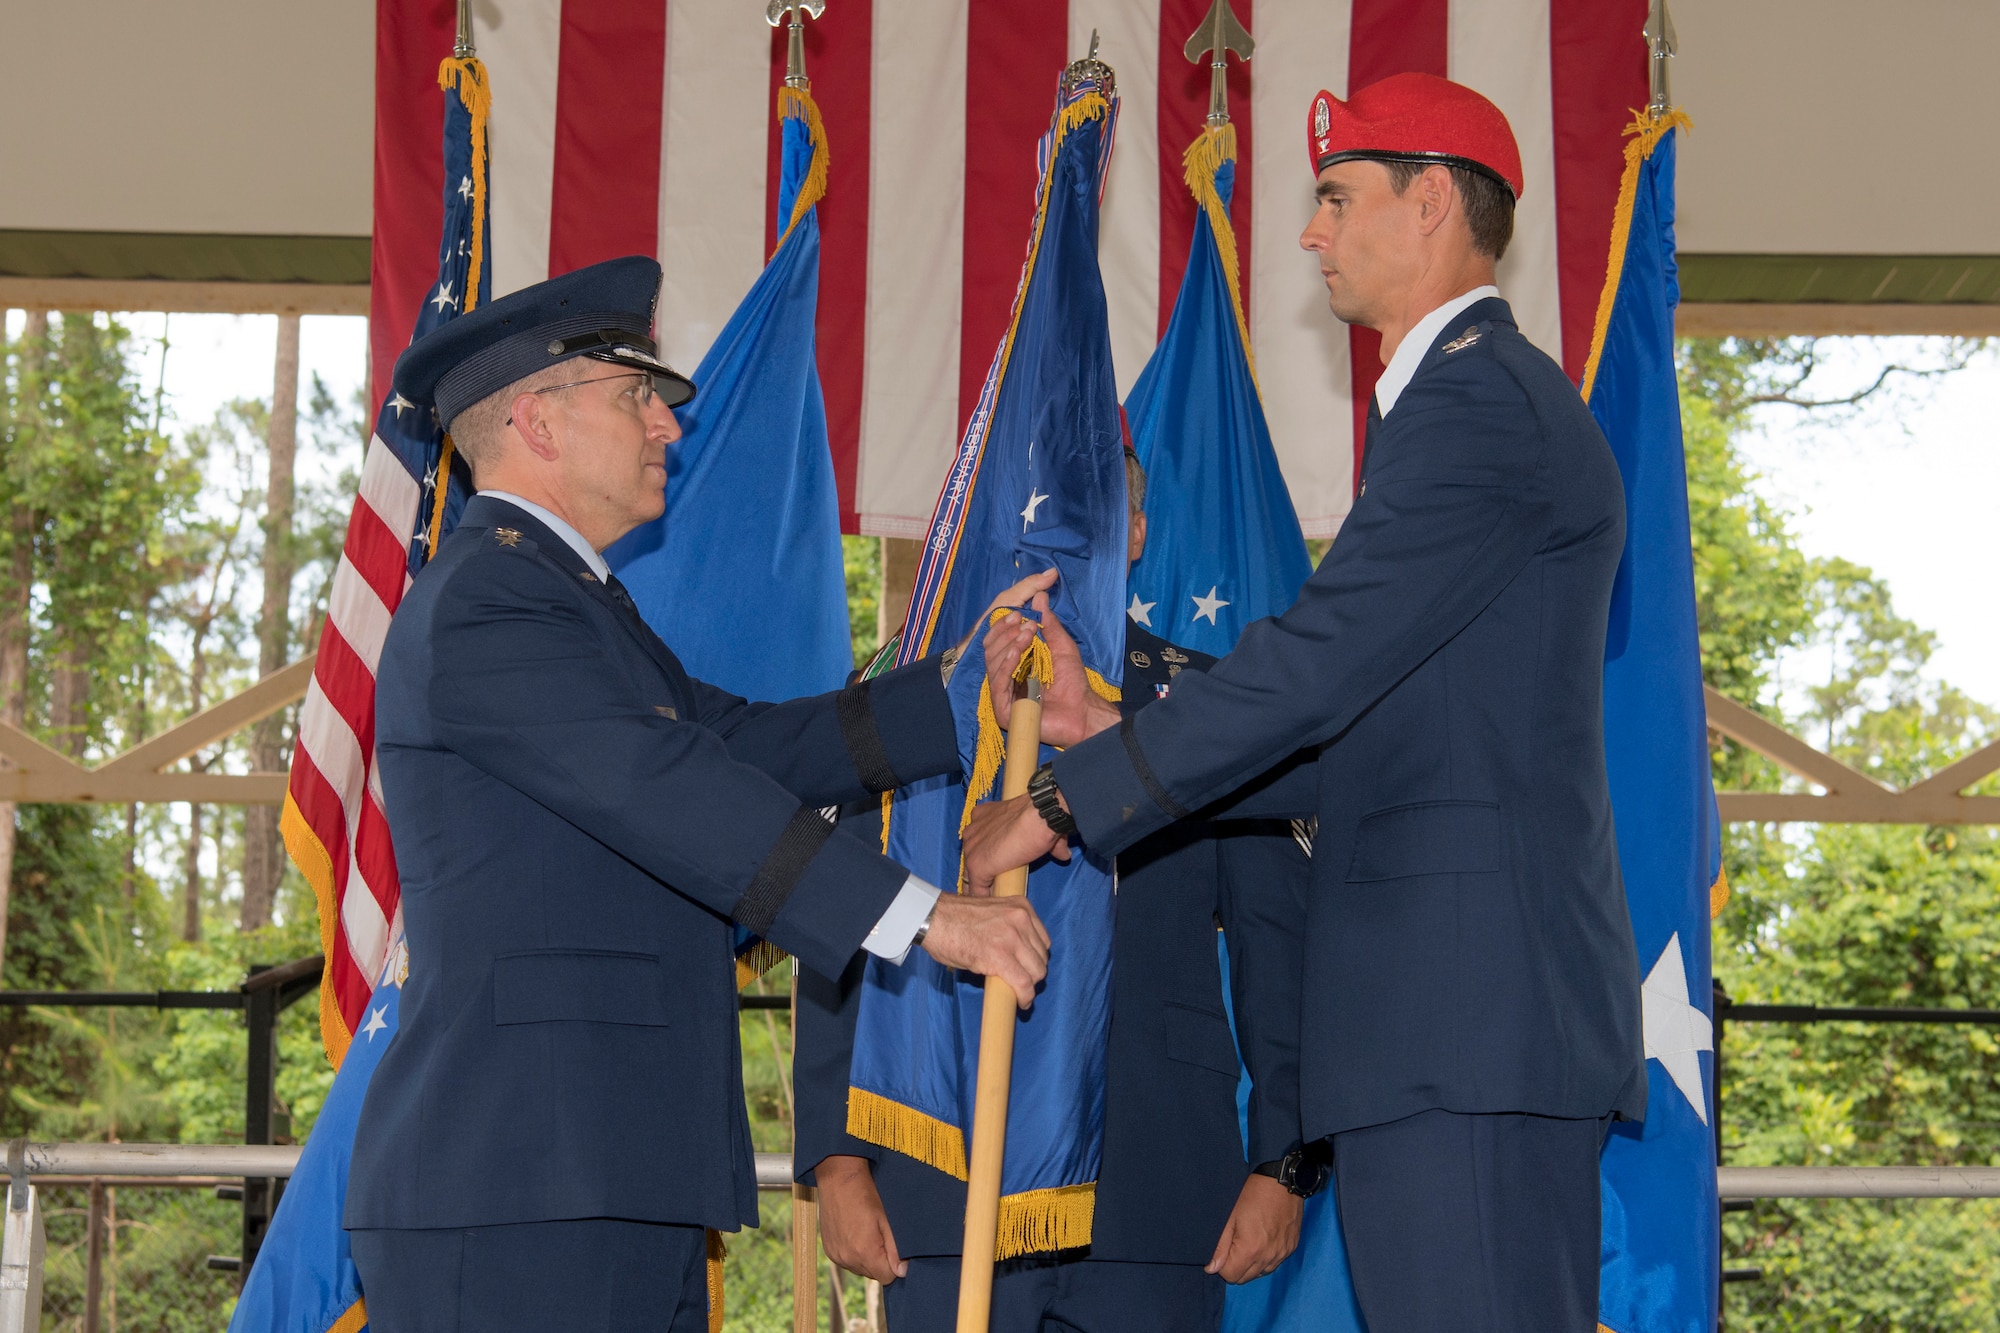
863,558
1841,914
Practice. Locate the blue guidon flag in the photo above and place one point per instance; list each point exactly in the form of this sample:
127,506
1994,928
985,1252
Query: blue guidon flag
304,1280
1038,481
1661,1220
1223,545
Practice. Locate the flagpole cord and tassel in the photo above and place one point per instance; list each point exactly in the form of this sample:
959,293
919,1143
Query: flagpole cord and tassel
1214,146
996,1051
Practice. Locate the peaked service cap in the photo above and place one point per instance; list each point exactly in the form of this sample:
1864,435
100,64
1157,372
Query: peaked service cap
1414,118
604,312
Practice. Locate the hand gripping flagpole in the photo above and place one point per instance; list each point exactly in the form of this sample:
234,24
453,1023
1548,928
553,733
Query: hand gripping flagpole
996,1052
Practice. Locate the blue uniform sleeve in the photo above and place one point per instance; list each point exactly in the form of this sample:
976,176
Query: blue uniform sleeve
522,691
1262,903
1452,513
830,749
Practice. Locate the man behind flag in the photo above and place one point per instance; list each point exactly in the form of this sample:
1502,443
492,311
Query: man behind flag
1177,1209
1223,549
1660,1210
303,1280
1037,482
1434,700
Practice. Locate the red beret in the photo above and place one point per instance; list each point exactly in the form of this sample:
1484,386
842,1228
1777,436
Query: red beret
1414,118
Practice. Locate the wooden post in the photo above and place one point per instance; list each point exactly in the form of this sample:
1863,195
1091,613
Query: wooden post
93,1264
805,1259
996,1055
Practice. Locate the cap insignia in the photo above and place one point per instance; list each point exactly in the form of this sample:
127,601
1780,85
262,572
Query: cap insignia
507,536
1322,119
1139,659
1463,340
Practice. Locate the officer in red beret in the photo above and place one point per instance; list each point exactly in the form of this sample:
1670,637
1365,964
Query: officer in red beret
1470,1022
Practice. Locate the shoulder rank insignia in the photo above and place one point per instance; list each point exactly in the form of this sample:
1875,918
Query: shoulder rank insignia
1173,654
507,536
1139,659
1462,341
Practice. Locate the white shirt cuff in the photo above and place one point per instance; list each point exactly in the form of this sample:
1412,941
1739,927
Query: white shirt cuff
894,933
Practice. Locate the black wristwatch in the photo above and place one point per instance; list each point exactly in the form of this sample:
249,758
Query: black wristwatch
1043,792
1302,1170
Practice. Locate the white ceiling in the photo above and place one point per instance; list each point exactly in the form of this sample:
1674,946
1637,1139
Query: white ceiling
1821,126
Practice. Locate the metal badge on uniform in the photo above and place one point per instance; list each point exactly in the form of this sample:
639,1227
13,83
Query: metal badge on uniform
1139,659
1463,340
586,576
507,536
1173,654
667,711
1173,669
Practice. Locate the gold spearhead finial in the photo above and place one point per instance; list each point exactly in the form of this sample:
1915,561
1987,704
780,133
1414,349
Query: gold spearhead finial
795,50
1218,35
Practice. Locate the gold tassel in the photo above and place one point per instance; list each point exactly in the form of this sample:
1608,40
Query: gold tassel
716,1253
1646,130
1204,157
798,104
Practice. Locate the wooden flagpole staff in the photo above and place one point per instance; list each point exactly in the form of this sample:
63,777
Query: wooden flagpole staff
996,1053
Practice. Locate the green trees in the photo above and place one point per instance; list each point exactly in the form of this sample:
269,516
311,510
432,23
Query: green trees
1842,914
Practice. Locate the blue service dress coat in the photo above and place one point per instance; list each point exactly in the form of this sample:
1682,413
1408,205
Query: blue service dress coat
577,824
1173,1157
1467,942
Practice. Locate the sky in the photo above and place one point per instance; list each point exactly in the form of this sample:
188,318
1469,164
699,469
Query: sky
1909,486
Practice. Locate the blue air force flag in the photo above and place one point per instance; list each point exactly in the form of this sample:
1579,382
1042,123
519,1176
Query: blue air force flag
1223,546
1660,1212
1037,481
743,573
304,1280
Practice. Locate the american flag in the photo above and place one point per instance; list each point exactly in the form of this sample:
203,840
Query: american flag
645,126
333,822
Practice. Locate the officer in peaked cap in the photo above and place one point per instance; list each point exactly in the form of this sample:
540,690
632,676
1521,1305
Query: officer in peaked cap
577,824
1470,1009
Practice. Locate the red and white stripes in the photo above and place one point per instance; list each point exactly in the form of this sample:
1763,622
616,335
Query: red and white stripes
624,126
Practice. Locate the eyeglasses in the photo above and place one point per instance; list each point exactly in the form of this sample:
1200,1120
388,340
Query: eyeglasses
645,395
646,392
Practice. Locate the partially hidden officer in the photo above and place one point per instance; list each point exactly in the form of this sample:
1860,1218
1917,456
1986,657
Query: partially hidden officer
578,823
1179,1208
1471,1013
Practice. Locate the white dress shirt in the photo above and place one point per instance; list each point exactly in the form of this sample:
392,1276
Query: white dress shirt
897,928
1416,345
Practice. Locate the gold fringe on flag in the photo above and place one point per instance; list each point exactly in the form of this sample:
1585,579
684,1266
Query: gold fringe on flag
469,77
1043,1221
352,1320
798,104
310,856
1646,131
1204,157
1718,894
875,1119
755,961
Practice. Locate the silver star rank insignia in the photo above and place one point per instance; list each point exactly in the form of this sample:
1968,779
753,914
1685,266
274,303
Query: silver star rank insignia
1139,659
507,536
1462,341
